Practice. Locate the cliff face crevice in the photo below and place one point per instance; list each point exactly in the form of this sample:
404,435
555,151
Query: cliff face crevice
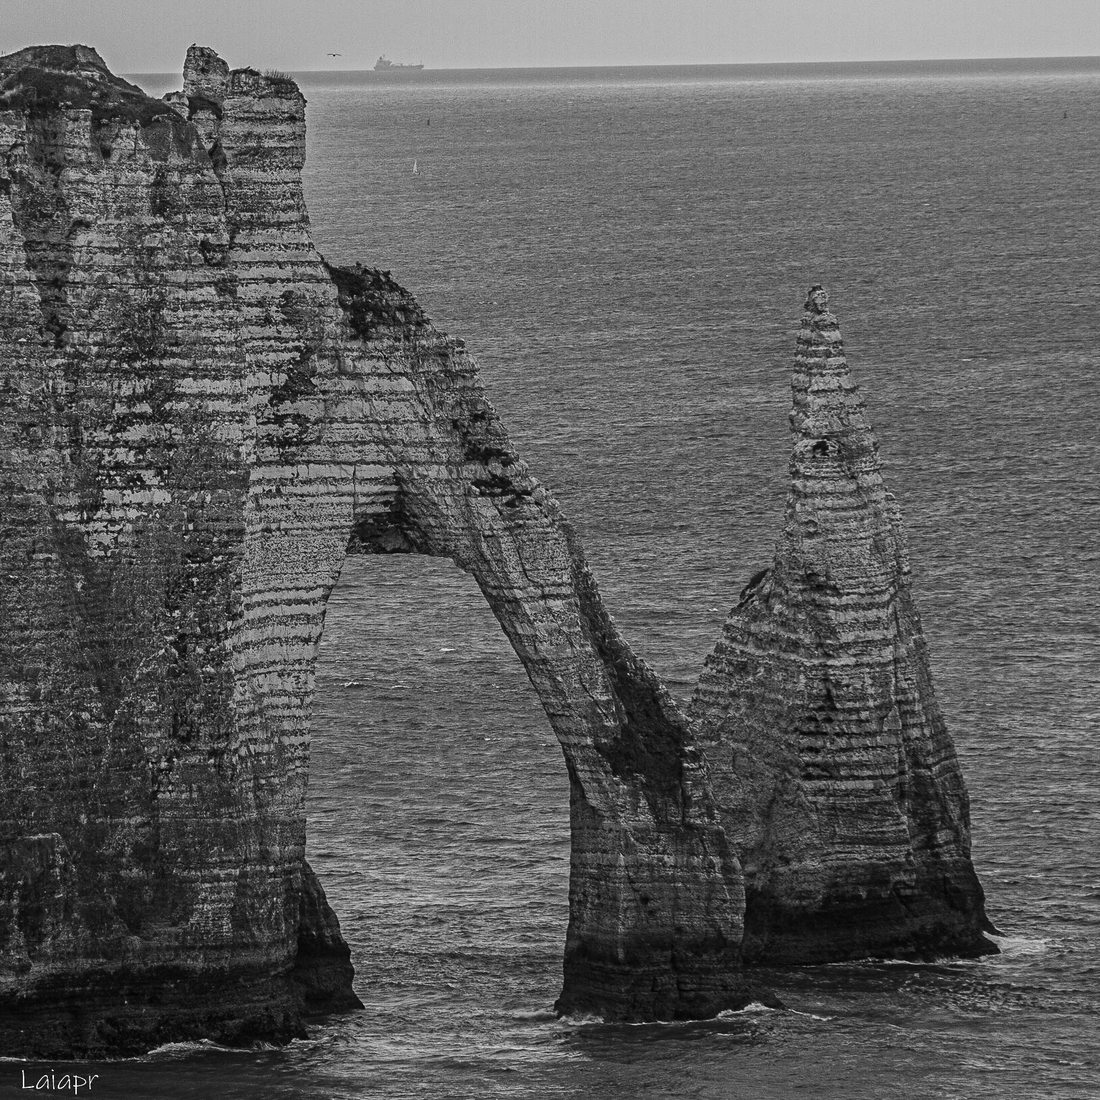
201,419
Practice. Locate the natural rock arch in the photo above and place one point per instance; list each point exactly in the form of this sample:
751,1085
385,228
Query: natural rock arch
447,482
200,417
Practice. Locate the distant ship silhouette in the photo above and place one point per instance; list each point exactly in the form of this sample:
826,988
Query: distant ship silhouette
384,63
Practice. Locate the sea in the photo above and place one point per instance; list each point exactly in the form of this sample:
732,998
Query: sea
626,252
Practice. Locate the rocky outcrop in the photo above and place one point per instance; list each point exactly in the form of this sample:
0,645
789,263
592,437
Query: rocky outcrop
830,759
200,420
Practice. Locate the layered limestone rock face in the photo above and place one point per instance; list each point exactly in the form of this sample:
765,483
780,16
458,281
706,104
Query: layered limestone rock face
829,756
200,419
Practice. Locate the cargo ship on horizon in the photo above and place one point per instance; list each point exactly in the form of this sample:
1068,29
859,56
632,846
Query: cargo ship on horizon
384,63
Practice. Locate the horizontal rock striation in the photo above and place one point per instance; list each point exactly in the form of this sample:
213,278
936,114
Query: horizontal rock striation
830,760
200,419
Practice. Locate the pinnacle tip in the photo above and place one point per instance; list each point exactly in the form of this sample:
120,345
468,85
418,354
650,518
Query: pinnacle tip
817,299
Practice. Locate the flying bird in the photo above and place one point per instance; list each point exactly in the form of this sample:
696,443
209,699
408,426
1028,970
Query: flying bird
336,55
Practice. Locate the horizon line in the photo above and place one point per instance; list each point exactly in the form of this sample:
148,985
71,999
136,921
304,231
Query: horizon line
688,64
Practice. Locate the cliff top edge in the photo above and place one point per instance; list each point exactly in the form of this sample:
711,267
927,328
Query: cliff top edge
41,79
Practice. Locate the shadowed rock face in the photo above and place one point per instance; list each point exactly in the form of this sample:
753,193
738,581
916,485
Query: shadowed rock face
830,759
200,420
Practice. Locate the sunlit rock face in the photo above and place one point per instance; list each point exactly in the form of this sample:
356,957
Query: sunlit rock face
200,419
837,781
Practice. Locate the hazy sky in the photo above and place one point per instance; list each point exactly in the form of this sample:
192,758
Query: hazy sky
152,35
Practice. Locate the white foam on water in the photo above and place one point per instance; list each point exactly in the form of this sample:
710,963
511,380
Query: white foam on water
1017,946
753,1008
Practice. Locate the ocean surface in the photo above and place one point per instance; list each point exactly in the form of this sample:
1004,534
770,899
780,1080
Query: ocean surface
626,251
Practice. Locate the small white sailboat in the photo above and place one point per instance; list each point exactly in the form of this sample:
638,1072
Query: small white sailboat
416,168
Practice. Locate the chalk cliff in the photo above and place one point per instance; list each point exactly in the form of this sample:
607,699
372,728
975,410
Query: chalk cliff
200,419
829,756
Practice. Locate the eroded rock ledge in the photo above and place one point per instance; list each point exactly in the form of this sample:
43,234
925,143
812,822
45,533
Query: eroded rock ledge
200,420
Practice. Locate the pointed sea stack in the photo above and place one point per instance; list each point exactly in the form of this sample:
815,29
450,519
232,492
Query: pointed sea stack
837,781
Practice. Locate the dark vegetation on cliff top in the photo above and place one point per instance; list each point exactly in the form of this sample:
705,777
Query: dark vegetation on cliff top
41,79
374,300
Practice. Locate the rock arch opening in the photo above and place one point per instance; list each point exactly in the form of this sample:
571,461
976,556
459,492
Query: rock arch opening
438,806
